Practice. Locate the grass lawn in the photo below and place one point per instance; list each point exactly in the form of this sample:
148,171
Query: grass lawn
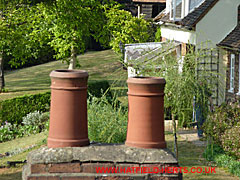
101,65
189,156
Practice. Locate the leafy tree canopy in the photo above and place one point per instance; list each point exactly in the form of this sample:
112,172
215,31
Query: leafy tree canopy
125,28
23,31
27,26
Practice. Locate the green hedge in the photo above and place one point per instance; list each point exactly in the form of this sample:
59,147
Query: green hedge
12,110
97,88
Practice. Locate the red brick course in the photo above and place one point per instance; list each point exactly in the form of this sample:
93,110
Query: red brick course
65,167
39,169
44,178
77,170
79,178
91,167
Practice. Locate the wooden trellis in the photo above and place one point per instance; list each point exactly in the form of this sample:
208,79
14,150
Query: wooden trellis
208,67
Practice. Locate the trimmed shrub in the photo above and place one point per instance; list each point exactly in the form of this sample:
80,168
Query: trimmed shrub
12,110
97,88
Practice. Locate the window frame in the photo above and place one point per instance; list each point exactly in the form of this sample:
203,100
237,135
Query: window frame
238,74
232,73
173,8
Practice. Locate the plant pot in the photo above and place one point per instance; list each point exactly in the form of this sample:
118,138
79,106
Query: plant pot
68,112
146,112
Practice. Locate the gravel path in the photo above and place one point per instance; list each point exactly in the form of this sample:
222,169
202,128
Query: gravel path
191,136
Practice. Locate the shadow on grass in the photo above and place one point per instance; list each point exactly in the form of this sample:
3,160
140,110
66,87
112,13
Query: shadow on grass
189,154
29,89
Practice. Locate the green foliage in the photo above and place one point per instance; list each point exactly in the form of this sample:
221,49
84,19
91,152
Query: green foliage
106,121
33,123
97,88
158,35
34,118
29,28
23,32
7,132
223,127
125,28
230,141
12,110
211,151
229,162
216,154
71,22
224,118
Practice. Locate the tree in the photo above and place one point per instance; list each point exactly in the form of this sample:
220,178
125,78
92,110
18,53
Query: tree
72,21
23,33
65,25
2,83
125,28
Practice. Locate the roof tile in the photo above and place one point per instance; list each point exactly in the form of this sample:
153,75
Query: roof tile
196,15
232,40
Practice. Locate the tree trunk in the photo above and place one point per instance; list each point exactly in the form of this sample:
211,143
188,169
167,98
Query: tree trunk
2,82
175,135
73,59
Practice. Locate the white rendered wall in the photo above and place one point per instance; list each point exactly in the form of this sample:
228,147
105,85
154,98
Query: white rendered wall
179,35
218,22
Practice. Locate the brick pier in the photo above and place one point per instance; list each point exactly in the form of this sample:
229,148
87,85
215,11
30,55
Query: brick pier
80,163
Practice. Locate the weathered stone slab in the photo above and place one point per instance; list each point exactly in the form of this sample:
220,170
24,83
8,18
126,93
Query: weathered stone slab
47,155
101,153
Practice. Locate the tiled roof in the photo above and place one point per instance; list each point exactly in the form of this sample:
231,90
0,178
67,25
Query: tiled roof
232,40
192,18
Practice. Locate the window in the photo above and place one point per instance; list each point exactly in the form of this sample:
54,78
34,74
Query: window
180,8
175,10
232,63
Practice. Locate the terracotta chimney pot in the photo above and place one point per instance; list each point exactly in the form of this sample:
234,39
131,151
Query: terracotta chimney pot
68,112
146,112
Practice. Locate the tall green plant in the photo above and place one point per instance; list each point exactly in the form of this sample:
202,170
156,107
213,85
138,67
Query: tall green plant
182,83
107,121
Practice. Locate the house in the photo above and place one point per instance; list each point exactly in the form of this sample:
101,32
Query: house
128,5
150,8
207,24
231,45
